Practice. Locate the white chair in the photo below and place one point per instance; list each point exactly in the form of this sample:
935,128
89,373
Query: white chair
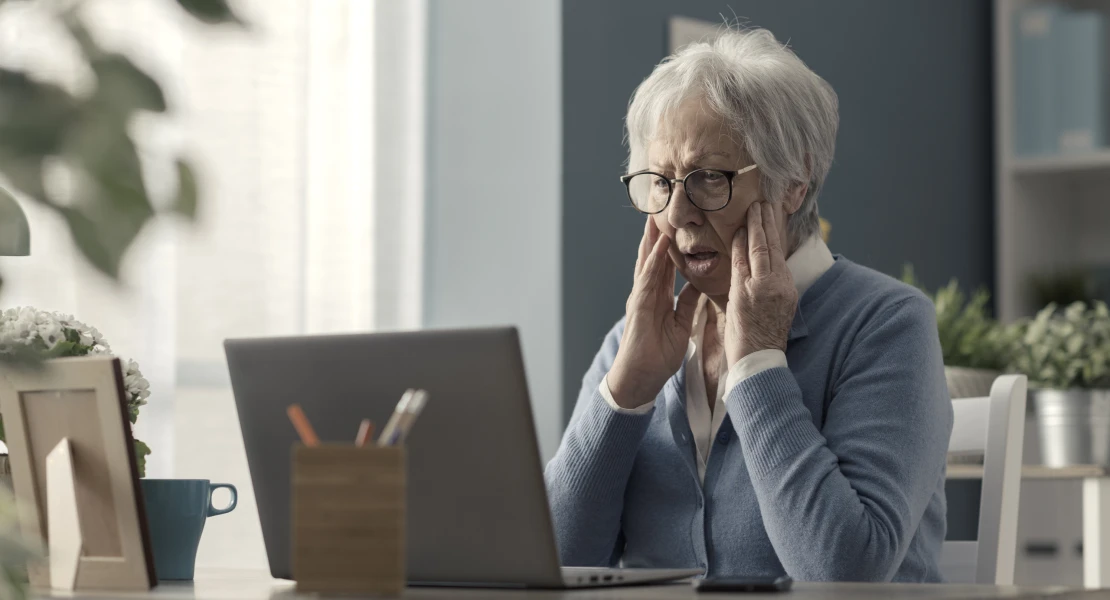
994,426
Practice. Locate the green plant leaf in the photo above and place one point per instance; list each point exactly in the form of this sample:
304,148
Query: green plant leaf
61,349
211,11
24,173
186,201
101,241
1066,348
87,237
113,205
908,277
34,116
105,151
123,87
968,336
141,452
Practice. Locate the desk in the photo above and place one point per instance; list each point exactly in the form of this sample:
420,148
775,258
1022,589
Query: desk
241,585
1096,511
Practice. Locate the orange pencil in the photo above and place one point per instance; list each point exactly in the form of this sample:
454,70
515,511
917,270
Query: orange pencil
301,424
365,431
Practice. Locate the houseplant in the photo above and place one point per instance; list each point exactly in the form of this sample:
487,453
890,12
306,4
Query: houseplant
31,334
49,128
976,347
1066,355
88,135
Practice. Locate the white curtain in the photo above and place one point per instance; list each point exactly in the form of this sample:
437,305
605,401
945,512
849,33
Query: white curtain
307,134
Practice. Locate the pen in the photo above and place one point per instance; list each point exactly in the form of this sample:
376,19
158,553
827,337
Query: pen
390,429
301,424
365,432
404,425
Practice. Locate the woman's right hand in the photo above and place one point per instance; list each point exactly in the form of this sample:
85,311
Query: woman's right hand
656,329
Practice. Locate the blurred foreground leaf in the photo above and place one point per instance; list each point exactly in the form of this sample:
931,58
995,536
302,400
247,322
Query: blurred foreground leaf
186,201
43,127
123,88
102,239
24,175
34,116
111,205
213,12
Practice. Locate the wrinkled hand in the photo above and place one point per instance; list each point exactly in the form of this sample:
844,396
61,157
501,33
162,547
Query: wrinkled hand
656,329
762,298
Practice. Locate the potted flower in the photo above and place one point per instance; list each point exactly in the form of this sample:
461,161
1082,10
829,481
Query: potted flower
1066,355
976,348
30,334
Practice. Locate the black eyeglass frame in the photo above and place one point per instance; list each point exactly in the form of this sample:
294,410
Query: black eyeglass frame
730,175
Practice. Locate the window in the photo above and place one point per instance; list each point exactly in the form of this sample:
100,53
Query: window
305,226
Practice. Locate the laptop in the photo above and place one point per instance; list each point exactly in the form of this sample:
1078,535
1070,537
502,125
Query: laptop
477,505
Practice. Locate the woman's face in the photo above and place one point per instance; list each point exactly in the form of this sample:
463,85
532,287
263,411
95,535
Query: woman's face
697,139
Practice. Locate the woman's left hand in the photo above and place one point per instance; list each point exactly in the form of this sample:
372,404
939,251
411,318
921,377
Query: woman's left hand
762,298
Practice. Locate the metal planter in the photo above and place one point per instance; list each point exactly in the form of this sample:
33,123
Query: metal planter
1074,426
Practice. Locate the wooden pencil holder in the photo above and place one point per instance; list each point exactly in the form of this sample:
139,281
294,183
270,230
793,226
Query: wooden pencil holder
348,534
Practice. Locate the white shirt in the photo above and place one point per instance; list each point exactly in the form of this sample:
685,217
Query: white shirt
806,265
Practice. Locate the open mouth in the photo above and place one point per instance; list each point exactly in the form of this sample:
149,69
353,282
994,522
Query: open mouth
701,261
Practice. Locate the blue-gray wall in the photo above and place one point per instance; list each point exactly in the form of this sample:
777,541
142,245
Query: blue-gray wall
912,179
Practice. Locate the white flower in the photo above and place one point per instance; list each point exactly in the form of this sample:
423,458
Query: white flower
136,383
138,388
95,335
50,332
25,326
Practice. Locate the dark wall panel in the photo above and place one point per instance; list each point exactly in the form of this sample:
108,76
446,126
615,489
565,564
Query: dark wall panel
912,179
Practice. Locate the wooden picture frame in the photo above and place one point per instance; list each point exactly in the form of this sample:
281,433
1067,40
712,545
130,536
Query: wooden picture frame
82,400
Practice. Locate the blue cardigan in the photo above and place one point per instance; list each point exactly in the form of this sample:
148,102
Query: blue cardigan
831,469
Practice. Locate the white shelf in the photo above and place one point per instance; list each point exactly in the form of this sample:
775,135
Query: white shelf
1063,163
1051,212
959,471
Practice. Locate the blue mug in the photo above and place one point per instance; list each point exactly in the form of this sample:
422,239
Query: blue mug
176,510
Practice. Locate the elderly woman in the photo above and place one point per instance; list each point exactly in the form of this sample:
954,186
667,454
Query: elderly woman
788,413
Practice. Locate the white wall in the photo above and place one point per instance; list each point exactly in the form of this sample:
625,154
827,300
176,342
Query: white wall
494,214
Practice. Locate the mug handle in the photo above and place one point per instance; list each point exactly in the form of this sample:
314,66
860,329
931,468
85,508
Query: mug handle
212,510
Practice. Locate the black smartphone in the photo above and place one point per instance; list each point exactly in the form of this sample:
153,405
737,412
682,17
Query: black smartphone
743,584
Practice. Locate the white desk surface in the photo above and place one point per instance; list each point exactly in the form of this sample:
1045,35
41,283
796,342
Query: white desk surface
247,585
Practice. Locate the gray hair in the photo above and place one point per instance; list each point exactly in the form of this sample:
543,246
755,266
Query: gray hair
782,113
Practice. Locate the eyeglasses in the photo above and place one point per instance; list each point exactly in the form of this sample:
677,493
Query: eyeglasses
707,189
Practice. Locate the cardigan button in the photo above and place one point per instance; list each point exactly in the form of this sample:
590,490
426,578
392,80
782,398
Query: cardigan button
722,438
